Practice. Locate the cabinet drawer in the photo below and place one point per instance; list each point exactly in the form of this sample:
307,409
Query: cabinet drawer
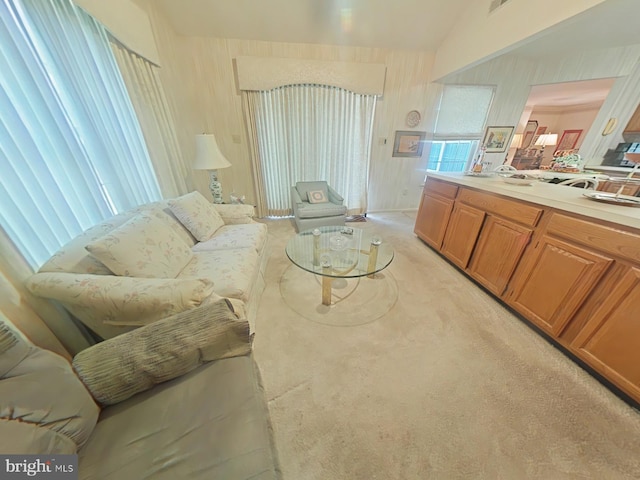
600,237
510,209
444,189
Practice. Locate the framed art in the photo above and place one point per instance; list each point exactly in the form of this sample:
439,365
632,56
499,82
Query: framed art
529,133
568,140
408,144
496,139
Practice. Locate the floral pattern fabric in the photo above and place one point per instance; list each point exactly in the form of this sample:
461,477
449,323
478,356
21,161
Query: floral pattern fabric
235,214
251,235
232,272
144,246
112,300
197,214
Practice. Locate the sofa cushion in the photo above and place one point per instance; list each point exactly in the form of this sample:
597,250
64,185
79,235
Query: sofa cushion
250,235
232,271
197,214
74,258
211,423
32,382
120,367
144,246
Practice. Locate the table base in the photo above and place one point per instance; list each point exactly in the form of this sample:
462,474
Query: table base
349,301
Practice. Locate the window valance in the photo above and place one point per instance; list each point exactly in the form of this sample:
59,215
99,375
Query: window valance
267,73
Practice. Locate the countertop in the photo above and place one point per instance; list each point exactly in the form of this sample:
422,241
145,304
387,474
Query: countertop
560,197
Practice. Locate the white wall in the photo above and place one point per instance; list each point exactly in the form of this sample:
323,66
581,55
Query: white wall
479,35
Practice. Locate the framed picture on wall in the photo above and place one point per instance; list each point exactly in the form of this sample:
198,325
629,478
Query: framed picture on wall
529,133
408,144
568,140
496,139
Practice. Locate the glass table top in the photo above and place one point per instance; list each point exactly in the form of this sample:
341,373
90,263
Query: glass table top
339,251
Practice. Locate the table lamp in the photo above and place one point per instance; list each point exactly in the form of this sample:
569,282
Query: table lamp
209,157
546,139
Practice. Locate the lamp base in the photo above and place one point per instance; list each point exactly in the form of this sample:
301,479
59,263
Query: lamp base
215,187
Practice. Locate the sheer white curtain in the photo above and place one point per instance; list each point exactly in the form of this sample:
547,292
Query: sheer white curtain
305,133
142,80
71,149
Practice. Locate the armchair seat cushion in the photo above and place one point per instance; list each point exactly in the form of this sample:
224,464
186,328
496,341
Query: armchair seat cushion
314,210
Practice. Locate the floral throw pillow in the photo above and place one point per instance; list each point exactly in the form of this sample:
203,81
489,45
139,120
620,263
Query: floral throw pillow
197,214
144,246
317,196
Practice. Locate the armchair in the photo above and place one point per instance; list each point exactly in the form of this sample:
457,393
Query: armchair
327,207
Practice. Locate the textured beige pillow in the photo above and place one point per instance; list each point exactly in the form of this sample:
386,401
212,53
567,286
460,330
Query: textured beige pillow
197,214
144,246
122,366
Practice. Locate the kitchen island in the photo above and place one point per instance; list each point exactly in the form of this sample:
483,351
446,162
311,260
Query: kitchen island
567,264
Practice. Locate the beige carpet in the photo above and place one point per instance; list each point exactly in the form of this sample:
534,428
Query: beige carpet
446,385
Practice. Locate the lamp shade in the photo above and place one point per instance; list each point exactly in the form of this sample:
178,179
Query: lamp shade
516,140
208,155
547,139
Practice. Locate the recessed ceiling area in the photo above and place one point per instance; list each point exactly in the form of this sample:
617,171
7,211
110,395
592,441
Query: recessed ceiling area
397,24
568,94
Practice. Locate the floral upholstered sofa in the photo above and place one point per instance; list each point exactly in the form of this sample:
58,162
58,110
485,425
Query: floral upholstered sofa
157,260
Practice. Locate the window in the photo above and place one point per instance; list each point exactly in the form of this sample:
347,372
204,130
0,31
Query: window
71,149
460,124
452,156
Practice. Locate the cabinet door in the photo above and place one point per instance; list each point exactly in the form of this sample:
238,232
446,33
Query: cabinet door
462,233
557,282
500,246
432,219
610,341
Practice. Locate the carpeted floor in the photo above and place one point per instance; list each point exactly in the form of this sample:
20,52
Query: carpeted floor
446,385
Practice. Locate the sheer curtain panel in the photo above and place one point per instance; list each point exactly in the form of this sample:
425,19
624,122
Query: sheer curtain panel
71,149
151,106
306,133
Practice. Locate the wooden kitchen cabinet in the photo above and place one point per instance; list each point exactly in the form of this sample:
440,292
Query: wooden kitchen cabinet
609,342
462,233
579,282
555,281
434,212
497,253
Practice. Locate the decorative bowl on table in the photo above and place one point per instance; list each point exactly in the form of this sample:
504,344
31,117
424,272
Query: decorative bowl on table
518,178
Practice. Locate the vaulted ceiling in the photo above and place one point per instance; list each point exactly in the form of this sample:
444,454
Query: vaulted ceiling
396,24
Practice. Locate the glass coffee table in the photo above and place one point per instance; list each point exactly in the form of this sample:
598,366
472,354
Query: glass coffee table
339,252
